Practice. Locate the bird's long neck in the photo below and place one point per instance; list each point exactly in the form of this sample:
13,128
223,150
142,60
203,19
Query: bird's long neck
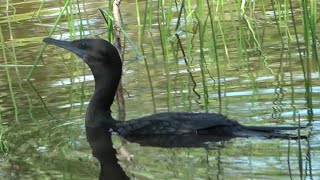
106,84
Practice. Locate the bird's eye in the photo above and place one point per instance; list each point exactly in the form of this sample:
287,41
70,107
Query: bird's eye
83,45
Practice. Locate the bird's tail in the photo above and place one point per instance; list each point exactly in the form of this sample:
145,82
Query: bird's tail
270,132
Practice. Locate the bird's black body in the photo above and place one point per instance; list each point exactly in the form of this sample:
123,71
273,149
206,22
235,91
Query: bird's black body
179,123
106,66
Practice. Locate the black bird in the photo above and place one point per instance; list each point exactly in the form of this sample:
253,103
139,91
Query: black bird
105,63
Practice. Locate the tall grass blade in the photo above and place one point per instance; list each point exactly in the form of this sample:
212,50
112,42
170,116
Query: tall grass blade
12,94
36,62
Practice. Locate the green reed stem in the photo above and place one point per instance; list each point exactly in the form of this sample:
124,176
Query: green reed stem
243,40
297,41
15,61
150,15
308,59
72,67
82,35
81,29
287,22
309,156
203,64
36,62
37,13
9,77
87,18
300,151
138,21
313,30
202,21
214,48
164,46
185,57
277,19
153,51
288,159
144,56
108,18
221,31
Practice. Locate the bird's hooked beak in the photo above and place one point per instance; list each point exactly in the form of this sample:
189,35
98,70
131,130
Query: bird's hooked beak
69,45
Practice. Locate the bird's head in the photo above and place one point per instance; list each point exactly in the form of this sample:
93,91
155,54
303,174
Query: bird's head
96,53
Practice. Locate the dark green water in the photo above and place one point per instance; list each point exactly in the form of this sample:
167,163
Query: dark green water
42,122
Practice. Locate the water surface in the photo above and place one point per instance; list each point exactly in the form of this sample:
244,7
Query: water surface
43,125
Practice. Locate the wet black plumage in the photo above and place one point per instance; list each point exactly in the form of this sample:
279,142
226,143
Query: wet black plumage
105,63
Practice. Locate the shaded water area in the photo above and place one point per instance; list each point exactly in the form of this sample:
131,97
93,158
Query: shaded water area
42,130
